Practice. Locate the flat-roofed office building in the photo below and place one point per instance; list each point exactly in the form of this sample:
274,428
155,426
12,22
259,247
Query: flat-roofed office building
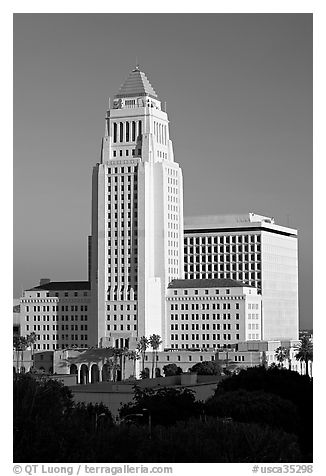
58,313
253,249
211,313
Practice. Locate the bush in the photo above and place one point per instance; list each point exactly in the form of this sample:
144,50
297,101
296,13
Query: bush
254,407
193,441
171,370
166,405
207,368
47,424
286,384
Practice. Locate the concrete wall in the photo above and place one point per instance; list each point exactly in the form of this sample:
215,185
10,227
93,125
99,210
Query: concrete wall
280,286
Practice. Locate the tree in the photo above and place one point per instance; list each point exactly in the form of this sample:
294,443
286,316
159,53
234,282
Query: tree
254,407
166,405
288,385
134,356
124,356
20,344
142,346
44,411
264,361
282,354
16,346
116,363
144,373
207,368
305,352
171,369
31,339
154,342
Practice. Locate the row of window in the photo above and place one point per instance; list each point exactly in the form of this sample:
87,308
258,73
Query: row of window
204,258
122,181
173,190
173,261
120,295
65,294
126,131
160,133
200,346
56,318
253,327
187,292
194,346
196,317
123,175
56,308
121,307
221,239
217,327
74,337
113,235
122,317
253,336
172,181
126,204
121,327
74,327
124,245
248,278
222,268
204,337
208,250
128,152
162,155
253,316
207,306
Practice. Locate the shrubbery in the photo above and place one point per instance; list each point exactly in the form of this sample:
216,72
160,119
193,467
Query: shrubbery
207,368
294,389
170,370
271,413
166,405
47,424
255,407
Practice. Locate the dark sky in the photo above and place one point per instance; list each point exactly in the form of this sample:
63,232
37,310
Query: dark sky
238,89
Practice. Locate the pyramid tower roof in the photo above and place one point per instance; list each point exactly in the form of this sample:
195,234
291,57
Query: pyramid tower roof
136,84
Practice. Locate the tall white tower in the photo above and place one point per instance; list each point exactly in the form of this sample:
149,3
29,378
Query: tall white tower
137,219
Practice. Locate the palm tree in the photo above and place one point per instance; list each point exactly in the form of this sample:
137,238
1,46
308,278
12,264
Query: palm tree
31,339
109,363
133,355
124,355
142,346
22,347
264,361
155,342
282,354
16,345
305,352
117,362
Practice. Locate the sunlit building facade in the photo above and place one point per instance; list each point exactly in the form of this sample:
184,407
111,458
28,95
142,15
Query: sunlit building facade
255,250
137,218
